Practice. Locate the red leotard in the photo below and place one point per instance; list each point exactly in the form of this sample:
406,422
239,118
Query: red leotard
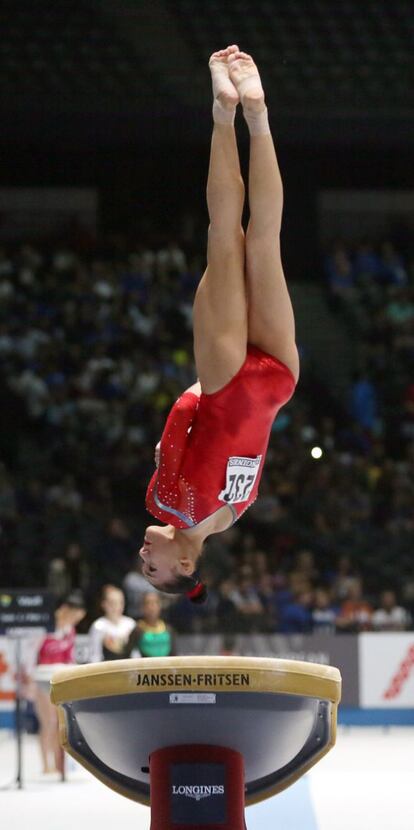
213,447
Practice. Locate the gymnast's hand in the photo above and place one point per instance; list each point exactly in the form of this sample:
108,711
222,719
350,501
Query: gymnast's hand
157,454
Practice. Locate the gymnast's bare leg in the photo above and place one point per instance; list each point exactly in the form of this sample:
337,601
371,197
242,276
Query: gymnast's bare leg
220,305
271,324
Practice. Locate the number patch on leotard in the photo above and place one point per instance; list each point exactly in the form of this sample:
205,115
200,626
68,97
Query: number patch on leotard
241,475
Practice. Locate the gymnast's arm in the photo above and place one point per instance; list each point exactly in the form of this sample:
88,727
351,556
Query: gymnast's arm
195,389
164,482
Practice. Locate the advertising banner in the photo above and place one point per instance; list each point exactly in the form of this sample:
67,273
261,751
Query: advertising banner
386,670
25,608
329,649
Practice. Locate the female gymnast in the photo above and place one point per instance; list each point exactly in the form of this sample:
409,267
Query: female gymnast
212,451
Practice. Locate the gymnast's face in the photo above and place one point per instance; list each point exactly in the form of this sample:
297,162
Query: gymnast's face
162,556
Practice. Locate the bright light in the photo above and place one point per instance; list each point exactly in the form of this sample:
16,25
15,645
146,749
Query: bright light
316,452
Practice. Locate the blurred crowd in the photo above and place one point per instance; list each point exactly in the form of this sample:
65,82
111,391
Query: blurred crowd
95,347
372,286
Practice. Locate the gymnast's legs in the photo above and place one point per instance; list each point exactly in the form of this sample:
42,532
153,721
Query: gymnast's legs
242,296
220,305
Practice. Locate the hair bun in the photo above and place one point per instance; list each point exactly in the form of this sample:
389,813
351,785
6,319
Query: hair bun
198,594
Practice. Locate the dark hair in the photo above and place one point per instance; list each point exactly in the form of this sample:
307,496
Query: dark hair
74,599
192,586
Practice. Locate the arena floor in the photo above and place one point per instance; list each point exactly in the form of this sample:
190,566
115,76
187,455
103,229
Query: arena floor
365,782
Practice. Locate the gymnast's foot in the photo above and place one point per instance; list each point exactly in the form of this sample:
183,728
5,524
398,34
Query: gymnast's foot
225,94
245,76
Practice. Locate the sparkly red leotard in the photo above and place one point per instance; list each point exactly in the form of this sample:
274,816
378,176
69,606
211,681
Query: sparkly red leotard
213,447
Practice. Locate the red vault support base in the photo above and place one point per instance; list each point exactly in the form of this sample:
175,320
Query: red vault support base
197,788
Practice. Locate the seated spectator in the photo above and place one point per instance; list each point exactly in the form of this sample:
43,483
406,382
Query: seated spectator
171,257
324,612
390,616
355,612
135,587
363,401
77,568
109,634
68,573
57,581
393,271
340,274
151,636
267,508
342,578
65,494
400,308
408,596
305,567
268,598
116,551
220,561
245,596
227,615
296,615
367,264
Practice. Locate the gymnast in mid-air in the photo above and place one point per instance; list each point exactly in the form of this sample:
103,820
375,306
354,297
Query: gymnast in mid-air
212,451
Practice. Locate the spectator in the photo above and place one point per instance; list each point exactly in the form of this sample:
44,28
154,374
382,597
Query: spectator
367,263
227,615
393,270
65,494
135,587
268,598
305,567
117,551
246,599
324,613
390,616
400,308
363,401
343,578
355,612
151,636
296,615
340,274
68,573
57,580
77,568
109,634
